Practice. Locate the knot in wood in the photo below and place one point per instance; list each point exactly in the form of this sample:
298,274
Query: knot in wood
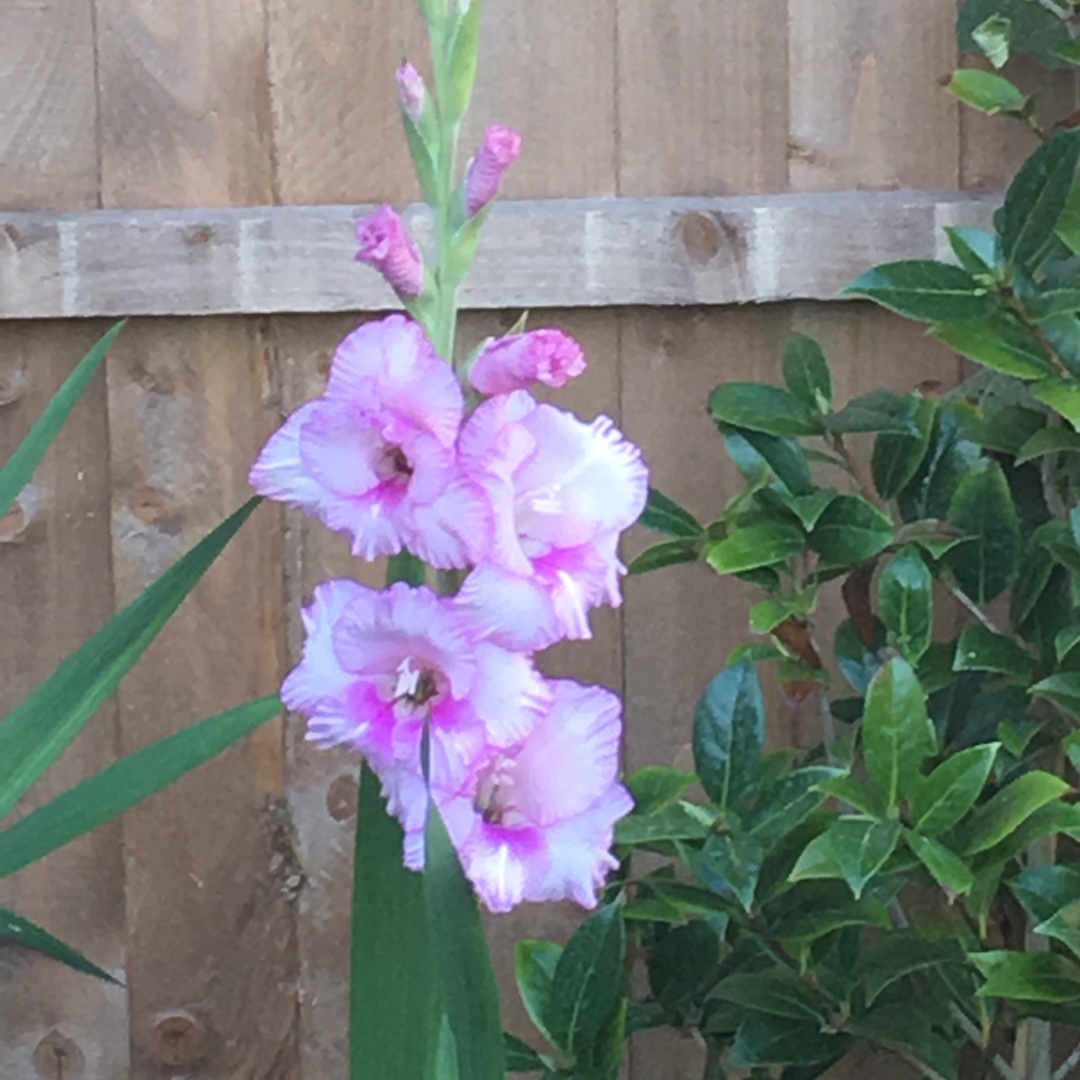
57,1057
178,1039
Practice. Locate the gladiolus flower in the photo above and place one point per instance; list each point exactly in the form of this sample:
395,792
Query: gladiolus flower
411,92
498,151
517,362
386,245
561,491
539,824
380,665
374,457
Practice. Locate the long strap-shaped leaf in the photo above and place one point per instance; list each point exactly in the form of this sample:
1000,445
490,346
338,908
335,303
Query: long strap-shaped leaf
394,1020
19,931
109,793
460,958
15,475
39,729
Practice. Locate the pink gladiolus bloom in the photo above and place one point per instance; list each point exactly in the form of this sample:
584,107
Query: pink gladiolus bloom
539,824
374,457
380,664
561,492
411,92
516,362
386,245
498,151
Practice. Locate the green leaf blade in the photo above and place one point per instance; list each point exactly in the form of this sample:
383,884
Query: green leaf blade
16,930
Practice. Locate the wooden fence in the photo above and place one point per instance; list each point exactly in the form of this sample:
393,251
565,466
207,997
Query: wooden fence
197,163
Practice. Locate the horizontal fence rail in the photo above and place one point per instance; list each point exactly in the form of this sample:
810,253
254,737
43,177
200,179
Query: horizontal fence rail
562,253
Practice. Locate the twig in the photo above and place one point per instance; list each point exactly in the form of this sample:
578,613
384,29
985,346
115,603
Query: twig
1068,1064
975,1035
973,608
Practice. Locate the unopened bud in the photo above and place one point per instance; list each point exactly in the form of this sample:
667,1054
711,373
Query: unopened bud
386,245
411,92
499,150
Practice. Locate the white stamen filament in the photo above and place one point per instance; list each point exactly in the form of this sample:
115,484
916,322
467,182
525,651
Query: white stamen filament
408,680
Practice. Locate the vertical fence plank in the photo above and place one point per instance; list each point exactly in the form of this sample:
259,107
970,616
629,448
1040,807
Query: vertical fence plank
55,590
867,105
337,129
55,583
702,97
211,935
210,870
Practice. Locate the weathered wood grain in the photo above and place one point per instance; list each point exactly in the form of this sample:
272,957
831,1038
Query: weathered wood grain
867,109
55,590
552,253
210,870
702,97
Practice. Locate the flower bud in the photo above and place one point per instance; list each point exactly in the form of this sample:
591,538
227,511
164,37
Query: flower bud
516,362
411,92
499,150
386,245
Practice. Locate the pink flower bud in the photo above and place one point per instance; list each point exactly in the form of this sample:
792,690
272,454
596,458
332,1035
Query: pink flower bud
411,91
515,363
499,150
387,246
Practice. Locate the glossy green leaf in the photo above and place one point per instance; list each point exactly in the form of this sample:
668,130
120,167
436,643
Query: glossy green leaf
897,734
668,553
655,909
975,249
36,732
520,1057
777,992
1027,976
16,474
814,909
1063,690
983,508
786,805
853,793
993,37
853,848
806,372
765,408
987,92
1051,440
683,962
534,970
729,734
664,515
1064,926
905,602
1000,342
1068,226
672,822
785,457
924,289
1032,28
946,868
1062,395
588,982
878,411
851,530
895,956
459,958
1008,809
731,864
15,930
1036,198
1044,890
952,789
980,649
771,1040
950,458
394,1008
896,458
656,786
756,545
108,793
